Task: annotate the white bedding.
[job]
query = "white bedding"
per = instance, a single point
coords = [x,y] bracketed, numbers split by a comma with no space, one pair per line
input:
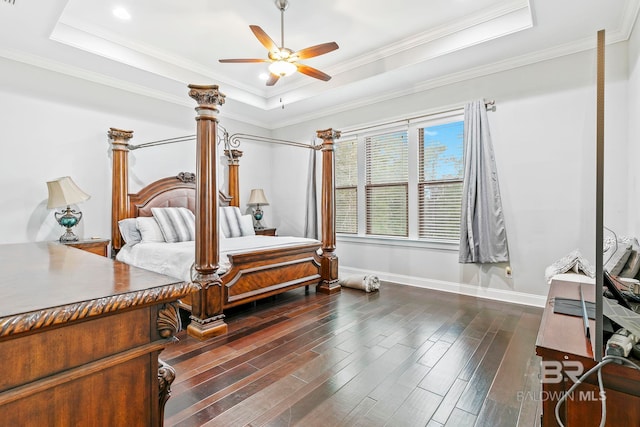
[176,259]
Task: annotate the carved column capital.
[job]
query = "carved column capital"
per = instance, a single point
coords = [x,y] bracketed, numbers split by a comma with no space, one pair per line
[233,156]
[120,138]
[208,98]
[328,135]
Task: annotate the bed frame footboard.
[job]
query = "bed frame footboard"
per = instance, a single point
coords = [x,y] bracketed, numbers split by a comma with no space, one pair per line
[260,274]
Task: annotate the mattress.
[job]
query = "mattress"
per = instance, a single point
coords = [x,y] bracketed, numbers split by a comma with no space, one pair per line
[177,259]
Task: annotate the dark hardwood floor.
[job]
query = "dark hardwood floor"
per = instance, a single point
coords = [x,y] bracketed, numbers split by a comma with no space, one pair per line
[403,356]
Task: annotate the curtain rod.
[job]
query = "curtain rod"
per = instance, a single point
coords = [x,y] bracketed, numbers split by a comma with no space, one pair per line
[489,105]
[233,141]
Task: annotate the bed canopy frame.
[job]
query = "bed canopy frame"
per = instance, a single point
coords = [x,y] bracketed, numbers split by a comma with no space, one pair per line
[253,275]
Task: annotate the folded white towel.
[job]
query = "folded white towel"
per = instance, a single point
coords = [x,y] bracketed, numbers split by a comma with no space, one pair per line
[367,283]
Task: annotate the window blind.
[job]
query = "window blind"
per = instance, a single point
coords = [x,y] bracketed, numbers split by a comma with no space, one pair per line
[441,169]
[386,185]
[346,161]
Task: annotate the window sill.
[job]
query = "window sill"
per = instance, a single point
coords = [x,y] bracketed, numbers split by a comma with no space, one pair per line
[398,242]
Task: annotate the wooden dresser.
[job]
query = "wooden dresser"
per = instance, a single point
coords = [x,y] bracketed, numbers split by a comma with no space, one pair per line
[561,343]
[80,337]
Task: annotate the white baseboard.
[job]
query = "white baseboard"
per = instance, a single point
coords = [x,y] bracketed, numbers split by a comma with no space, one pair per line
[458,288]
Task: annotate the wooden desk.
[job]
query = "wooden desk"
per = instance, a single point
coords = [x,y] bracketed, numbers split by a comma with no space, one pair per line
[561,340]
[80,337]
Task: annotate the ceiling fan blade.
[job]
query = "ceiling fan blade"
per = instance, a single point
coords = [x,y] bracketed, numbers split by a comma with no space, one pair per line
[312,72]
[226,61]
[316,50]
[264,38]
[273,79]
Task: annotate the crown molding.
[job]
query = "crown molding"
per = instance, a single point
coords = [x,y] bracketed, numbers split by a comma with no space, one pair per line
[472,73]
[500,13]
[94,40]
[613,36]
[112,46]
[481,71]
[629,18]
[91,76]
[102,79]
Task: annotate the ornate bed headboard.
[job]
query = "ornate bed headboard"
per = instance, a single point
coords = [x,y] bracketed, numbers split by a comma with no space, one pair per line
[173,191]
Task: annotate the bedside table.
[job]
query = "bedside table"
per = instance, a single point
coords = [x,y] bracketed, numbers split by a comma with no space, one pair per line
[266,232]
[95,246]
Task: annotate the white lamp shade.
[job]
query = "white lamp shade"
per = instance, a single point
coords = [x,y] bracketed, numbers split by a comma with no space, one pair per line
[64,192]
[257,197]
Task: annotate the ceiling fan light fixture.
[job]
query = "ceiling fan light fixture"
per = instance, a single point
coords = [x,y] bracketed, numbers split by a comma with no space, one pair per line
[282,68]
[283,61]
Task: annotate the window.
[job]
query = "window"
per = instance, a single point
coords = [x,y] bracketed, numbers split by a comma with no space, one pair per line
[441,169]
[403,182]
[386,188]
[346,158]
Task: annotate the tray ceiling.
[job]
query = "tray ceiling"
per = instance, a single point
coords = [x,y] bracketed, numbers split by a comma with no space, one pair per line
[386,49]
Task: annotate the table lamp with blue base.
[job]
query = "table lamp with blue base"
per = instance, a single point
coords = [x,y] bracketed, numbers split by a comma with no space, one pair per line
[257,199]
[64,192]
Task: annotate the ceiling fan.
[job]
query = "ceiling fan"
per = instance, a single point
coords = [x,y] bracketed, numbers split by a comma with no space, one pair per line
[283,61]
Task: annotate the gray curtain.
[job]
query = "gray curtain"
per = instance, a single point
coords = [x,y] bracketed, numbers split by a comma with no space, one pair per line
[311,214]
[483,237]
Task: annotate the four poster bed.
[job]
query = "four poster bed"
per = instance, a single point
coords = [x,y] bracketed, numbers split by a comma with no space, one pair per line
[249,274]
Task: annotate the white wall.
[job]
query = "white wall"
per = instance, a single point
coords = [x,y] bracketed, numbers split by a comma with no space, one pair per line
[633,143]
[55,125]
[544,139]
[544,133]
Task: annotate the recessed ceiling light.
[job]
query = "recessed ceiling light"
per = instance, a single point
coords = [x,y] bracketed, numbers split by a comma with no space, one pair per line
[121,13]
[263,76]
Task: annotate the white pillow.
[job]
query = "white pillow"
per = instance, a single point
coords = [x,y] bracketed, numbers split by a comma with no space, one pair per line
[129,231]
[177,224]
[149,229]
[230,221]
[246,226]
[222,222]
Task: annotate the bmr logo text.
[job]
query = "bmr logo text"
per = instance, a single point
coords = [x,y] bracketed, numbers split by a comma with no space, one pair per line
[553,371]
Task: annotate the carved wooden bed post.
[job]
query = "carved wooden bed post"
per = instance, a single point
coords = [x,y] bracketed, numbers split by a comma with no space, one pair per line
[120,182]
[329,260]
[233,157]
[207,319]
